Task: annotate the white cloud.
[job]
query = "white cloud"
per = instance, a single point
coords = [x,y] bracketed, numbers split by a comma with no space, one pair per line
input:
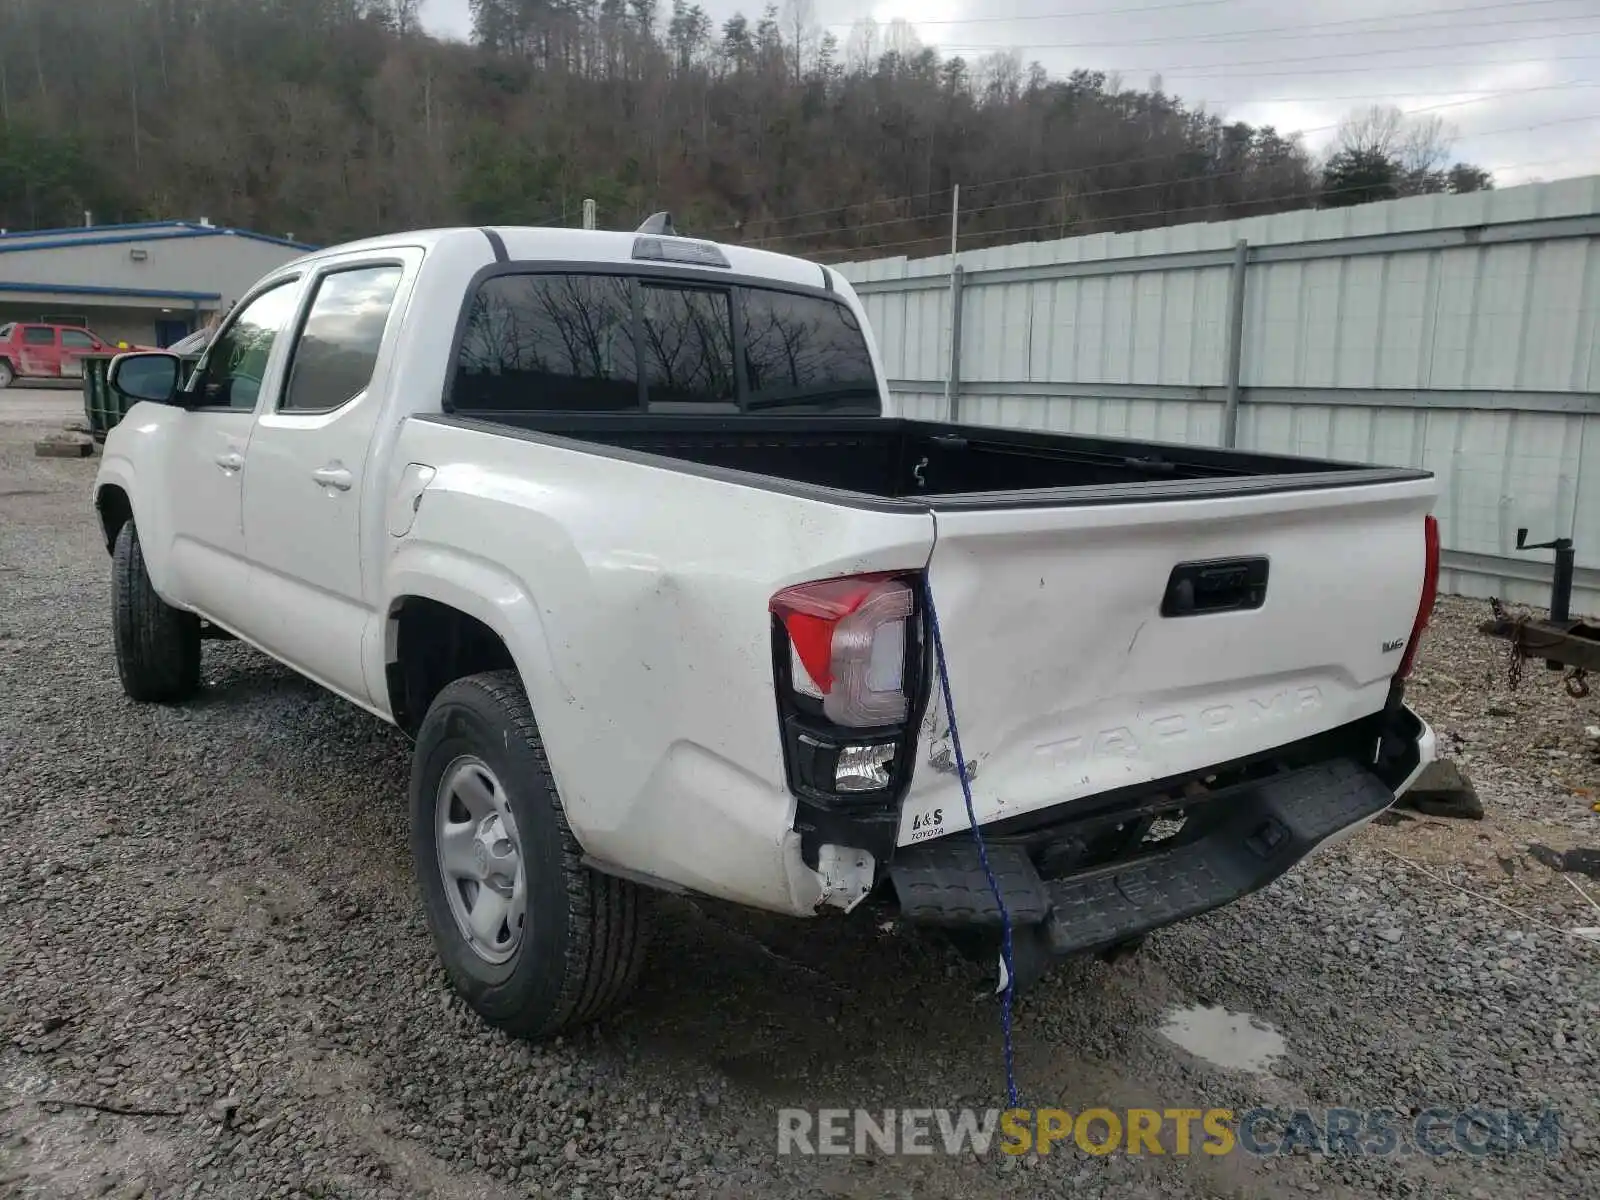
[447,18]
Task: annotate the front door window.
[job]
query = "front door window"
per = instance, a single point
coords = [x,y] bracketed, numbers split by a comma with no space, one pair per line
[231,375]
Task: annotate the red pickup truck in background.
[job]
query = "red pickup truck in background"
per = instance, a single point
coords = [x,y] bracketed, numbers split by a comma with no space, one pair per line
[34,350]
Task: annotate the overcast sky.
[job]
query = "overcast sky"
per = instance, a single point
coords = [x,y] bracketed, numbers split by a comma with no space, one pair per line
[1519,80]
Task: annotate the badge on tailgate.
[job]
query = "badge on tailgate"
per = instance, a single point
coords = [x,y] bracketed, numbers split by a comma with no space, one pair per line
[1216,585]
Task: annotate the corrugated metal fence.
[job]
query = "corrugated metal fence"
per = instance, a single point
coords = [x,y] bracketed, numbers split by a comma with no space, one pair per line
[1455,333]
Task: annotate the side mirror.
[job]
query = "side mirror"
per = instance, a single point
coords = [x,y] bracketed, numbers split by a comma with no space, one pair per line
[152,376]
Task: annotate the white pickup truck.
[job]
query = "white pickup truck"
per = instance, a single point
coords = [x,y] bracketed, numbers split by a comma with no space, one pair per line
[622,530]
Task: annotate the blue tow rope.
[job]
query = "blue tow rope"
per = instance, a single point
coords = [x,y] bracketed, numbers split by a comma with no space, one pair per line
[983,851]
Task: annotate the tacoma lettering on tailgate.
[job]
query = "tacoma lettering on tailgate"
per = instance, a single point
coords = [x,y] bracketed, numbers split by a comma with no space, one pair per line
[1121,741]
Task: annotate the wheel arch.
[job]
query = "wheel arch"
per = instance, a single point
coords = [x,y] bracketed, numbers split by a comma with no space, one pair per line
[114,507]
[445,624]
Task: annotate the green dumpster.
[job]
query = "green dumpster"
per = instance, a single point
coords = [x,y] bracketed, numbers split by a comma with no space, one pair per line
[103,407]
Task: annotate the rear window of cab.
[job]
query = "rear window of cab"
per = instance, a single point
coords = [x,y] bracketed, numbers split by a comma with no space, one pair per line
[575,343]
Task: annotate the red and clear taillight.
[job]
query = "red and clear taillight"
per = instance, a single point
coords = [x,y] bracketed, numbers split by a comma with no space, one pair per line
[1430,594]
[846,650]
[847,642]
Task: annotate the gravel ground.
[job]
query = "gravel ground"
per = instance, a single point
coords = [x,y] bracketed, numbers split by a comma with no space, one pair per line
[50,403]
[206,921]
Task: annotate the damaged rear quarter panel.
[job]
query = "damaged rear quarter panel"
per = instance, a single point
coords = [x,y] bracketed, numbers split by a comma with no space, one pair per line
[651,588]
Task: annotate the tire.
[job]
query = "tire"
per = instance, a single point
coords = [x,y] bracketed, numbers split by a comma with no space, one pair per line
[158,646]
[577,948]
[6,375]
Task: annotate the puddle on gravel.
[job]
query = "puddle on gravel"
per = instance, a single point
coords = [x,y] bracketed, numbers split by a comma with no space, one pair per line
[1234,1041]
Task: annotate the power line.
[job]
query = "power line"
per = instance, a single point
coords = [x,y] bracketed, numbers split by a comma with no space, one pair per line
[1536,125]
[1106,166]
[1290,32]
[972,212]
[1482,94]
[944,237]
[1278,59]
[1136,187]
[999,233]
[1082,12]
[1389,67]
[1182,4]
[1315,194]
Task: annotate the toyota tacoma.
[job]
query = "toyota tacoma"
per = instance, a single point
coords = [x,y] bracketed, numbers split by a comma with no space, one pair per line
[624,532]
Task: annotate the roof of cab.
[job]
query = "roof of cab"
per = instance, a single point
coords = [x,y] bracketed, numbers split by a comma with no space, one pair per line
[543,244]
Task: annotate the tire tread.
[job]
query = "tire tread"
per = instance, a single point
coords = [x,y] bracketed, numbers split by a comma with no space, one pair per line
[157,646]
[605,919]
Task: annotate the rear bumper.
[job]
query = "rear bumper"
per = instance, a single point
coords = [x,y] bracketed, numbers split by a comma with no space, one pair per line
[1423,746]
[1232,843]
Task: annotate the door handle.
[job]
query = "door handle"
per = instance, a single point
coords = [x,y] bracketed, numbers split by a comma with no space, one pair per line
[333,477]
[231,461]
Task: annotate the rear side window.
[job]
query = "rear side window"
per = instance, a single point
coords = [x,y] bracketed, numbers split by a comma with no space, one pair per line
[338,347]
[38,335]
[556,343]
[802,351]
[76,339]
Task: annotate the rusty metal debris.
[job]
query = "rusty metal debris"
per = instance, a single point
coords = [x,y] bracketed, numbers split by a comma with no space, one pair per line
[1568,644]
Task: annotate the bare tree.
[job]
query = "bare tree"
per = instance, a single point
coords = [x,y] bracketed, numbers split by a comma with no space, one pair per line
[1425,144]
[1415,144]
[1000,76]
[900,37]
[401,15]
[800,23]
[1374,130]
[1381,153]
[861,49]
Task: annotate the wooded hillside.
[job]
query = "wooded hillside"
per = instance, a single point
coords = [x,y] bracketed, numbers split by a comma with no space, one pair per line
[331,119]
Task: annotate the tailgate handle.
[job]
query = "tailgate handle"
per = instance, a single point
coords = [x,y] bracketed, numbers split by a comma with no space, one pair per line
[1216,585]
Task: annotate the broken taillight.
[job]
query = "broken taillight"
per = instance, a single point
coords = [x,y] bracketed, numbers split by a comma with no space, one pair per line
[847,640]
[846,664]
[1430,593]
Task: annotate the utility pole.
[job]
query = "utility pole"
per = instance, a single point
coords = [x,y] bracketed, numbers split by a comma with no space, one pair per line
[955,220]
[1235,390]
[588,214]
[952,380]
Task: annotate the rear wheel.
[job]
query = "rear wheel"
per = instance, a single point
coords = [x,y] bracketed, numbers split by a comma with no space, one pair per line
[533,940]
[158,646]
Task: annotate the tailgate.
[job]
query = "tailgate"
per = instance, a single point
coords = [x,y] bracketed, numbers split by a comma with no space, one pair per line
[1069,680]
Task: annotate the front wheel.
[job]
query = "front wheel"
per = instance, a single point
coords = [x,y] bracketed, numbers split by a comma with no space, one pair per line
[158,646]
[6,375]
[533,940]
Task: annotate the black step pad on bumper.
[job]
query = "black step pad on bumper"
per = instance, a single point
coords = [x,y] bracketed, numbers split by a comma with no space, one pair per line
[1252,834]
[942,883]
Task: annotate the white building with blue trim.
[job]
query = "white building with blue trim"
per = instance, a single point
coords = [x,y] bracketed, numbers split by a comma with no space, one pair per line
[145,284]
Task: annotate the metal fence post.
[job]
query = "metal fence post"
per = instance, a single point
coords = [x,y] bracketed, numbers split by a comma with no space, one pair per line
[1236,282]
[952,388]
[952,379]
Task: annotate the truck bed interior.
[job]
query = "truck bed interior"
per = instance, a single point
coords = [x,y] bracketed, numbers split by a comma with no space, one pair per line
[898,458]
